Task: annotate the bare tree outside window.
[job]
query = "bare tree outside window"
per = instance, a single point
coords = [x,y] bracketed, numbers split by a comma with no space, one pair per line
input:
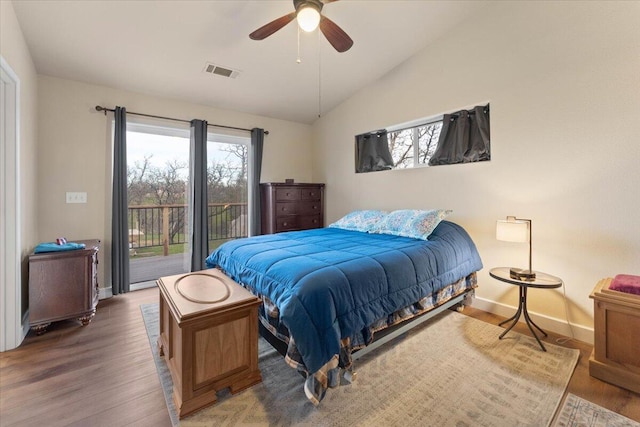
[428,141]
[137,181]
[236,161]
[157,186]
[401,148]
[414,146]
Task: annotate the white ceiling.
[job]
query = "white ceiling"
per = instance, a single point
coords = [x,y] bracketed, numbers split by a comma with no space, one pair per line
[161,47]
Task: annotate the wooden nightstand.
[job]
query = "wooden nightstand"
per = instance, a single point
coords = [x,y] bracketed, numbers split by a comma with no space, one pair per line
[63,285]
[208,337]
[616,350]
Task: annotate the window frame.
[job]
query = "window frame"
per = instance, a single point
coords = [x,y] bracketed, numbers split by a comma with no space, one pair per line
[415,142]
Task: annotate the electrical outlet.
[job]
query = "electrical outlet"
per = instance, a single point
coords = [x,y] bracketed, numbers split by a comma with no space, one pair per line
[76,197]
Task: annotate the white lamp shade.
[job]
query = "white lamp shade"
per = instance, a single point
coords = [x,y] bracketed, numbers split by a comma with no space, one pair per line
[308,18]
[512,231]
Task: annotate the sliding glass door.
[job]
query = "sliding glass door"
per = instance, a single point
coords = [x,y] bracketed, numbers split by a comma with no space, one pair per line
[158,185]
[227,188]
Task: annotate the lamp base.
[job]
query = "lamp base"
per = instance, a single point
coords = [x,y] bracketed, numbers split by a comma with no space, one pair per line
[520,274]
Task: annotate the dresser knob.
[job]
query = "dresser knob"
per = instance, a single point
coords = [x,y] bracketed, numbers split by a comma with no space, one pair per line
[284,224]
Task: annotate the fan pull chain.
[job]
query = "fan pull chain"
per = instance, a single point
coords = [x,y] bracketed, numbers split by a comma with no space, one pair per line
[319,79]
[298,60]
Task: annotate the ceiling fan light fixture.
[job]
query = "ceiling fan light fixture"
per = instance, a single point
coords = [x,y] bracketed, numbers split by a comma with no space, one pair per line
[308,17]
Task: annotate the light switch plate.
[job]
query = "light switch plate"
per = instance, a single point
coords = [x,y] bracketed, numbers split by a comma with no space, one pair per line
[76,197]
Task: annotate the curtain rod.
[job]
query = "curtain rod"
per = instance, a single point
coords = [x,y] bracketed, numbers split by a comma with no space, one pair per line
[100,108]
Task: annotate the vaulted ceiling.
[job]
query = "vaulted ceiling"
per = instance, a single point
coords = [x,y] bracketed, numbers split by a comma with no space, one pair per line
[162,47]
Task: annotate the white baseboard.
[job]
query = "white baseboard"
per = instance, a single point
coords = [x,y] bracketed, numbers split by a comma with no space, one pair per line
[559,326]
[105,293]
[25,325]
[108,293]
[142,285]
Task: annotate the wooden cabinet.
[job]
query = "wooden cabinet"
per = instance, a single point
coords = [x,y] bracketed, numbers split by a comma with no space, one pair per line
[63,285]
[616,350]
[290,207]
[208,337]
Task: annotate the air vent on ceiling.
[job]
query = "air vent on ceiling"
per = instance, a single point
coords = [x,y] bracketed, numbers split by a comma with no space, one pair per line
[220,71]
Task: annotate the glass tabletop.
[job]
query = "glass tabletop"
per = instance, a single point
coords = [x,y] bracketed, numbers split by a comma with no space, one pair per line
[542,280]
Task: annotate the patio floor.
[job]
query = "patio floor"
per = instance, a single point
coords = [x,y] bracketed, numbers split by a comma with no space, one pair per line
[143,269]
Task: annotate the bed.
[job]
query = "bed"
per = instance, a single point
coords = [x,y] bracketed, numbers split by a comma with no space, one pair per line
[327,291]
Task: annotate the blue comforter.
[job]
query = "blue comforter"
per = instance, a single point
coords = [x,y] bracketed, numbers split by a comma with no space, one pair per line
[329,282]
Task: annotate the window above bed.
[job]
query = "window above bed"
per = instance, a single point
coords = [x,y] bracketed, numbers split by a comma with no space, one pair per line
[460,137]
[412,147]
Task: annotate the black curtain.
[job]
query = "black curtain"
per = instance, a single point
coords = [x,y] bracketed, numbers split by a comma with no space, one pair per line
[119,207]
[372,152]
[464,137]
[255,157]
[198,202]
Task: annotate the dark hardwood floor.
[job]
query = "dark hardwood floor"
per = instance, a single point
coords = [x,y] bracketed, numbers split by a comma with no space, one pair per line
[104,375]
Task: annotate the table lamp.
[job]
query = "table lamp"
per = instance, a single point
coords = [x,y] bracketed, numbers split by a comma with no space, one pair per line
[516,230]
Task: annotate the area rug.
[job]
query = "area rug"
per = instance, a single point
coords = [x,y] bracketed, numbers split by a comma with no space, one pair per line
[451,371]
[577,412]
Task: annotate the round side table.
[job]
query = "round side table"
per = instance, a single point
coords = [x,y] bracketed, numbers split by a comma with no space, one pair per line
[542,281]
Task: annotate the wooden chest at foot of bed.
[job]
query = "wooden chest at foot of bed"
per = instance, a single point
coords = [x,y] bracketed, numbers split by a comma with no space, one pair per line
[616,351]
[208,337]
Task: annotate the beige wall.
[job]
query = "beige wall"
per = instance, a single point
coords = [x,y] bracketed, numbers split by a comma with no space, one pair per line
[75,153]
[14,50]
[563,79]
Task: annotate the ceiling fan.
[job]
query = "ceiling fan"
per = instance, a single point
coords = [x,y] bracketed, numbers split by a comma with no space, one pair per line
[309,16]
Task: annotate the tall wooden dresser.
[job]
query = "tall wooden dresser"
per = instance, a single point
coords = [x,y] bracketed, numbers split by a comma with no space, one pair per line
[290,207]
[63,285]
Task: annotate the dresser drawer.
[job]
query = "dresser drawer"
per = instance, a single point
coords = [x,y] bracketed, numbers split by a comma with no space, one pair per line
[307,222]
[287,208]
[287,193]
[310,193]
[309,208]
[287,223]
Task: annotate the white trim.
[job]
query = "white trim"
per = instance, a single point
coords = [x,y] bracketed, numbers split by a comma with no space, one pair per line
[416,123]
[152,127]
[559,326]
[13,330]
[104,293]
[142,285]
[164,128]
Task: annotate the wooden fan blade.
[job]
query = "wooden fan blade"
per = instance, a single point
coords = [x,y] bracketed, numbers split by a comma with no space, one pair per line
[338,38]
[273,26]
[328,1]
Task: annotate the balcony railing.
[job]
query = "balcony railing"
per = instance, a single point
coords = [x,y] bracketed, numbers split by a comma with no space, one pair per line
[164,225]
